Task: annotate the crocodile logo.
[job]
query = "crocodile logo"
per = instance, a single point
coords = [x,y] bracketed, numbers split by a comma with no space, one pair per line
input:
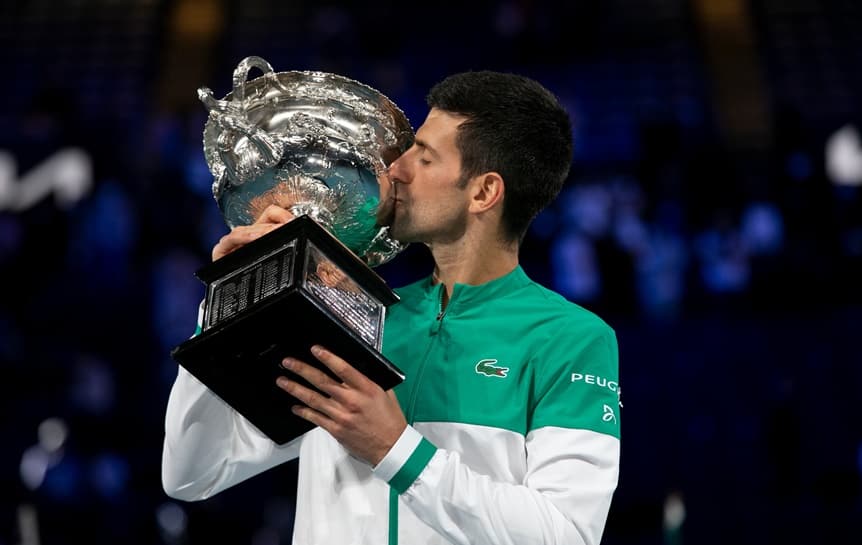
[487,368]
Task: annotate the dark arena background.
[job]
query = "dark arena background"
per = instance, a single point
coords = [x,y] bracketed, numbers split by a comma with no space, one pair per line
[713,217]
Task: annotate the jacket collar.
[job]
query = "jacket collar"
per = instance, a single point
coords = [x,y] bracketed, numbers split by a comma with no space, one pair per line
[465,296]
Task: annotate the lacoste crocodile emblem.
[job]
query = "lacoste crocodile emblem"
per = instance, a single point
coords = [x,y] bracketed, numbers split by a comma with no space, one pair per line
[487,368]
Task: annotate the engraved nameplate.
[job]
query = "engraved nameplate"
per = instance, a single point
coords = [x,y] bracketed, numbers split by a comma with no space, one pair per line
[249,285]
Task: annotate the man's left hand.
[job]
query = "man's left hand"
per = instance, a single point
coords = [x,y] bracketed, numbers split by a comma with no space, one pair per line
[366,420]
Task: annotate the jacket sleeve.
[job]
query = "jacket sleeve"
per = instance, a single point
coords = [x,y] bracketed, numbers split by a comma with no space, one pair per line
[572,468]
[208,446]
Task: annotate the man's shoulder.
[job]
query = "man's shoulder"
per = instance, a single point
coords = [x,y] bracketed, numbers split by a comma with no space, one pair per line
[558,310]
[410,296]
[412,301]
[413,288]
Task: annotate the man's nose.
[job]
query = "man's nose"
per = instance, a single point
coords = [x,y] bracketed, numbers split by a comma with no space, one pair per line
[398,171]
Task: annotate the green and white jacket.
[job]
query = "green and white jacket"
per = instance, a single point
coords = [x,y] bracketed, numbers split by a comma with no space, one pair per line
[512,398]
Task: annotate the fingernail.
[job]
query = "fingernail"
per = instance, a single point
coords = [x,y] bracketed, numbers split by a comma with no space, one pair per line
[281,381]
[317,350]
[287,363]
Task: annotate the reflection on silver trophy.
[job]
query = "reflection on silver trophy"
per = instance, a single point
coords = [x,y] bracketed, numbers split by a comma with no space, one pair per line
[317,144]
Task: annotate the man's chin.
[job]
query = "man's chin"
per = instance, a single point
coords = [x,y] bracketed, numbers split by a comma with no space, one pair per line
[401,234]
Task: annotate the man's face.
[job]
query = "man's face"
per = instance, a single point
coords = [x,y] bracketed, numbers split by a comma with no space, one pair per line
[430,198]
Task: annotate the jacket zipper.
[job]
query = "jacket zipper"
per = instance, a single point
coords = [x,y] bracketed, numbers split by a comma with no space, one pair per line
[414,394]
[441,312]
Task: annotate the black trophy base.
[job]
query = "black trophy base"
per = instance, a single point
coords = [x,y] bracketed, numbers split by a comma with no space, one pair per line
[239,359]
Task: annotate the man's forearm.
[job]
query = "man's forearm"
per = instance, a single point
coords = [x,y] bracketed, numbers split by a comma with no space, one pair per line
[564,500]
[209,446]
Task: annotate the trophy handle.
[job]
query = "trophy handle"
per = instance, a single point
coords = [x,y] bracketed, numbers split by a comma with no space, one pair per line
[240,74]
[245,150]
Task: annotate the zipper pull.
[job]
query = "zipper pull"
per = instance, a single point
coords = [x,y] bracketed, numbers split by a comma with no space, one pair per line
[438,321]
[440,310]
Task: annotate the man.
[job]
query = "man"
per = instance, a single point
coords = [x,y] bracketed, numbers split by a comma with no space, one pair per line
[506,429]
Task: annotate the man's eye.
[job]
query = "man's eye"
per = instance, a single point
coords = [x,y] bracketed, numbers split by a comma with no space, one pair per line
[424,161]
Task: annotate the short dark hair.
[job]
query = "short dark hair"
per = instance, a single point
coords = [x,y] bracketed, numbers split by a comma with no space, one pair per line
[515,127]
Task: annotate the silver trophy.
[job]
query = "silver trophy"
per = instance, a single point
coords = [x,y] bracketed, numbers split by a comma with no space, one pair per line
[319,145]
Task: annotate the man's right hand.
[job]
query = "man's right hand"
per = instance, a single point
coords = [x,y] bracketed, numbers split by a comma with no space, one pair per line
[273,217]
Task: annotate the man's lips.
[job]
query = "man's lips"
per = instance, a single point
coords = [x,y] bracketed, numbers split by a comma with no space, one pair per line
[386,212]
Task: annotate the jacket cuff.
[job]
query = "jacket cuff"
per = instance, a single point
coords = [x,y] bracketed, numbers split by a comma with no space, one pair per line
[405,460]
[200,325]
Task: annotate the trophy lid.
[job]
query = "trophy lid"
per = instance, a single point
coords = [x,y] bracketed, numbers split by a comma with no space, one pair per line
[315,143]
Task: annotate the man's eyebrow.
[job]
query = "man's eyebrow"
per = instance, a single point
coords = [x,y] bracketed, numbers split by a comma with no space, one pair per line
[423,144]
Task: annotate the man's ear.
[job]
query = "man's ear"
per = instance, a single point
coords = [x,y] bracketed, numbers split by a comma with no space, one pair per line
[486,192]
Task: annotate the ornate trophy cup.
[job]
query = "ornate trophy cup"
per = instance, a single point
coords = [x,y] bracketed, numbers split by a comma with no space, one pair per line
[317,144]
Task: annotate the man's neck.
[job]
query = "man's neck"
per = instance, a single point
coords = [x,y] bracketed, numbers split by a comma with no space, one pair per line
[472,262]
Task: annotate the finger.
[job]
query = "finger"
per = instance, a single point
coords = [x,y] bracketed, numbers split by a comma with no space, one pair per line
[343,370]
[240,236]
[275,214]
[309,397]
[315,417]
[313,375]
[226,245]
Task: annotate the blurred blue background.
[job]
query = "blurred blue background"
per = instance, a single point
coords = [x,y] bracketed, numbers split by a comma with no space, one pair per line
[713,217]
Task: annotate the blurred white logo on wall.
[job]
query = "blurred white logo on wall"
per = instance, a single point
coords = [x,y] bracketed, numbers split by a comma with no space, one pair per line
[68,174]
[844,157]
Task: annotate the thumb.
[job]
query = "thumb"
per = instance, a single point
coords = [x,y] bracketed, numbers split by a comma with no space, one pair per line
[275,214]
